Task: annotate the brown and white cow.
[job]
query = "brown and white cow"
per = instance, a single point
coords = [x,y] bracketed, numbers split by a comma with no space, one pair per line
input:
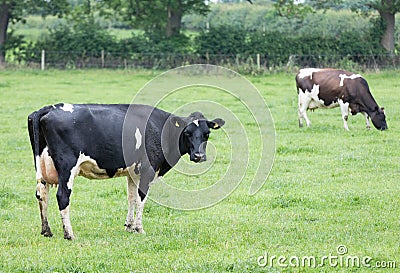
[329,88]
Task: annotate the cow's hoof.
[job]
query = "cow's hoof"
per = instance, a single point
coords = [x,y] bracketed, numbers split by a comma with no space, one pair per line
[129,228]
[140,230]
[47,233]
[68,236]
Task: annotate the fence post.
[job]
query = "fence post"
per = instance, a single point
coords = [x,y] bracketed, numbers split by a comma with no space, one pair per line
[258,61]
[102,58]
[42,63]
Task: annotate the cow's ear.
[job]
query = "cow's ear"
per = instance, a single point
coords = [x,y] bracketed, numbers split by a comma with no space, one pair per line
[216,123]
[178,122]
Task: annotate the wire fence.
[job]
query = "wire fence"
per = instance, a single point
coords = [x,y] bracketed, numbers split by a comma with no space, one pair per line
[240,62]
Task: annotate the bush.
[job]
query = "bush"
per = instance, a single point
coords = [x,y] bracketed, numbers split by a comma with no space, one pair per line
[75,43]
[222,40]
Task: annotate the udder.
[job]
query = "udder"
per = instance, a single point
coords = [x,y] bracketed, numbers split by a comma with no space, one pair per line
[49,172]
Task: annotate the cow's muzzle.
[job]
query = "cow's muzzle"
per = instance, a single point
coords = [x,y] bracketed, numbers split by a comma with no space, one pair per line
[198,157]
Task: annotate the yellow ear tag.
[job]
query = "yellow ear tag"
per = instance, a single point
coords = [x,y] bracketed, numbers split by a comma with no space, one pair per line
[216,125]
[176,124]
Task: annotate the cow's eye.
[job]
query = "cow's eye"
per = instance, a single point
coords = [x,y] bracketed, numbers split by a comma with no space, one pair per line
[188,134]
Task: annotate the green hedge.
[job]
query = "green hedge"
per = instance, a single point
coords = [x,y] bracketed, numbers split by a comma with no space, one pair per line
[85,41]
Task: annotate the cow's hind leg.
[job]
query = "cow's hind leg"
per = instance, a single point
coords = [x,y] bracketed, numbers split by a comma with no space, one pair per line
[303,103]
[42,194]
[66,180]
[133,197]
[344,109]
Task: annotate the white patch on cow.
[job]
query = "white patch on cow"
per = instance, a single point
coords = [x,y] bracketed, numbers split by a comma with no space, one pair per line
[76,169]
[314,101]
[351,77]
[307,72]
[68,234]
[138,137]
[38,168]
[88,167]
[196,121]
[67,107]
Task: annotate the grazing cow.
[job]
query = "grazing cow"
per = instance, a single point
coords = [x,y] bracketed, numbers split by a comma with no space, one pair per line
[329,88]
[105,141]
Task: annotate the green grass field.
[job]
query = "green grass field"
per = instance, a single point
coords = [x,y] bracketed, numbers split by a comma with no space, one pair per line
[327,188]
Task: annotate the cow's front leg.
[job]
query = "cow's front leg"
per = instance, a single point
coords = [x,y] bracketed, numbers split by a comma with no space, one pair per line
[132,193]
[42,194]
[367,121]
[145,179]
[139,213]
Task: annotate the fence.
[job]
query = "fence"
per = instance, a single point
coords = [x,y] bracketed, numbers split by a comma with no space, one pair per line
[240,62]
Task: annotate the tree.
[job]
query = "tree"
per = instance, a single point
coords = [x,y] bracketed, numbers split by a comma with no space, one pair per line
[12,11]
[157,16]
[387,10]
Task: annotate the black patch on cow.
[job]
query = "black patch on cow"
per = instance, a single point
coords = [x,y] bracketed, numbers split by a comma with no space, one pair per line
[142,195]
[111,172]
[136,169]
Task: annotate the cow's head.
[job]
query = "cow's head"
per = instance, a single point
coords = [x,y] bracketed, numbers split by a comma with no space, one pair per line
[379,119]
[195,133]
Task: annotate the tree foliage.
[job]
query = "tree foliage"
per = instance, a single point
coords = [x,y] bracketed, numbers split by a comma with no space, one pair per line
[387,10]
[12,11]
[158,16]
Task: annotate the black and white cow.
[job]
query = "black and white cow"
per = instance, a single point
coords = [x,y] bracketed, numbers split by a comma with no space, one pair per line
[110,140]
[329,88]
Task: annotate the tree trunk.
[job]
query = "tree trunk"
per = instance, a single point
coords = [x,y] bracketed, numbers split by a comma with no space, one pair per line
[4,20]
[387,40]
[173,22]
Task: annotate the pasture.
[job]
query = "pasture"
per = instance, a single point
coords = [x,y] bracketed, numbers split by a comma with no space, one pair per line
[327,188]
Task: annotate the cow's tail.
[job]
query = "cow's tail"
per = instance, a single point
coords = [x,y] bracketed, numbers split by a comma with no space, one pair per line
[37,141]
